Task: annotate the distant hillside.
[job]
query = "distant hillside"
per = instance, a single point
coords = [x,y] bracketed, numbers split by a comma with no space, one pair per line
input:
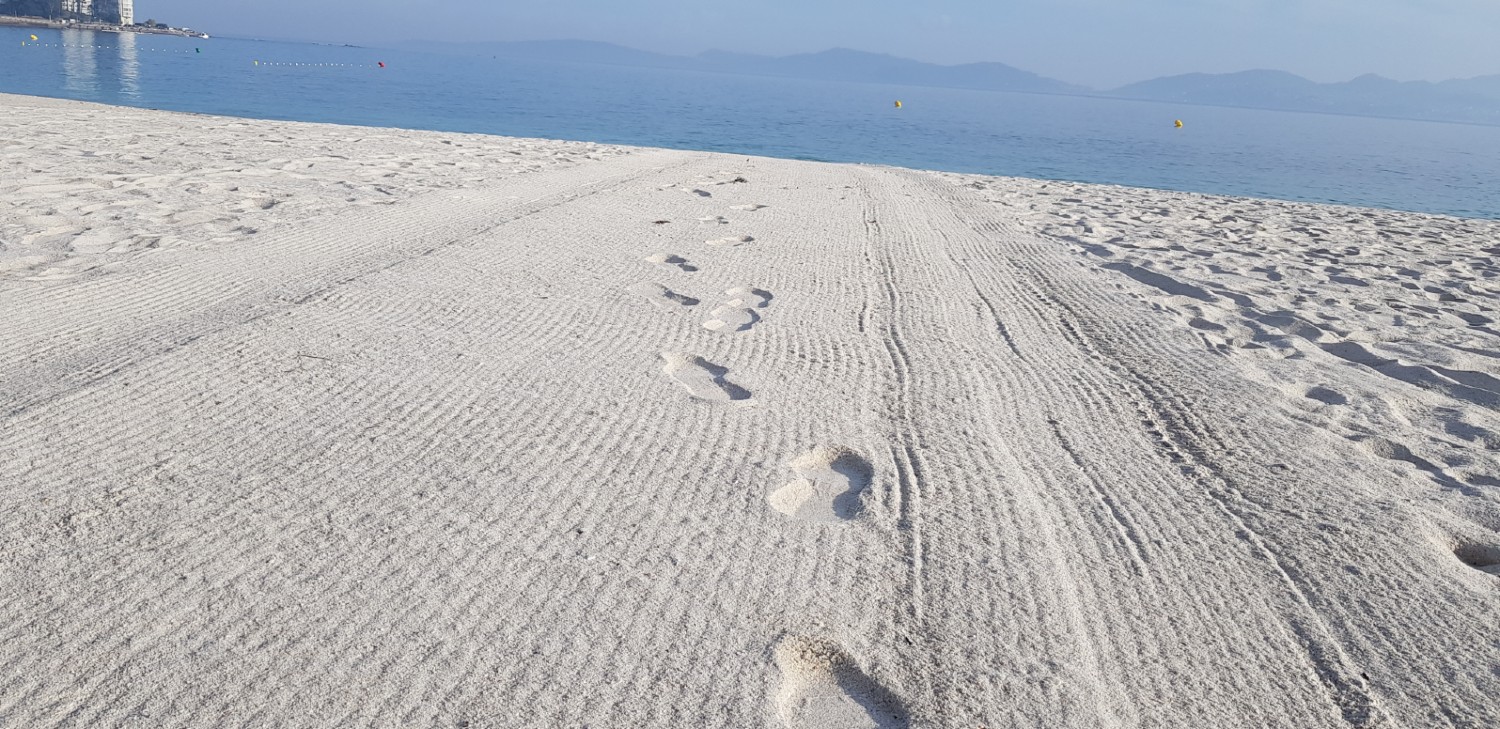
[1475,100]
[843,64]
[569,51]
[28,8]
[835,65]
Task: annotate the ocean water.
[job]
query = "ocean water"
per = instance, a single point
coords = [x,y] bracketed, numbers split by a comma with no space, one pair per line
[1405,165]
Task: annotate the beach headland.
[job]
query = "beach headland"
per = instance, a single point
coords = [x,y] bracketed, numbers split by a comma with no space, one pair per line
[16,21]
[318,425]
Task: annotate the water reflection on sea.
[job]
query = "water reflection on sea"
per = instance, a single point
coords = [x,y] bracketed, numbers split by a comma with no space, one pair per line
[80,61]
[130,66]
[95,63]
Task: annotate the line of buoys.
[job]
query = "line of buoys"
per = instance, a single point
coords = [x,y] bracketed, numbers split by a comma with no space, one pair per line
[109,48]
[285,64]
[199,51]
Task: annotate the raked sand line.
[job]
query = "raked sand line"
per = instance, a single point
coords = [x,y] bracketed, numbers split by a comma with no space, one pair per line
[112,327]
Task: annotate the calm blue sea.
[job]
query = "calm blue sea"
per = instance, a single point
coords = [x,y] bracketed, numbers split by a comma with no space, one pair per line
[1407,165]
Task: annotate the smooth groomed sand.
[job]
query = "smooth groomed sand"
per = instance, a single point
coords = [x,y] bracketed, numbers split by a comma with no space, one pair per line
[317,426]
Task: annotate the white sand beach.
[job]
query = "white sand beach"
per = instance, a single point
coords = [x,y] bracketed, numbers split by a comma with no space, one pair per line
[308,425]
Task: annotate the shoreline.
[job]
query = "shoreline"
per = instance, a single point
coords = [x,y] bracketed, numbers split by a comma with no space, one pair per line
[311,424]
[16,21]
[1165,190]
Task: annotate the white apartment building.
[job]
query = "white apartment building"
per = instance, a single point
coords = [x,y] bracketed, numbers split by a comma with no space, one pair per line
[117,11]
[84,8]
[121,12]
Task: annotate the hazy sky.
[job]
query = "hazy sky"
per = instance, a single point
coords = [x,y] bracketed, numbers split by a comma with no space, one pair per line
[1093,42]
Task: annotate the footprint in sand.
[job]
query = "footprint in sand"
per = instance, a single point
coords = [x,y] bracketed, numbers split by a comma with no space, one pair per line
[731,241]
[671,259]
[737,312]
[1325,395]
[663,297]
[700,193]
[822,688]
[1482,557]
[732,319]
[747,297]
[714,220]
[829,484]
[704,380]
[750,208]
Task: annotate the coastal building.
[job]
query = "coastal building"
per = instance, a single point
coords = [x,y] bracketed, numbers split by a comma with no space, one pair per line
[77,9]
[121,12]
[117,12]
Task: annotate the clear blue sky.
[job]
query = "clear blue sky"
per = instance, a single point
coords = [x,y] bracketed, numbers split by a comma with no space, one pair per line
[1093,42]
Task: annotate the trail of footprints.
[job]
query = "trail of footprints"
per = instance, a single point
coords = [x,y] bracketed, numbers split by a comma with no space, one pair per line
[821,687]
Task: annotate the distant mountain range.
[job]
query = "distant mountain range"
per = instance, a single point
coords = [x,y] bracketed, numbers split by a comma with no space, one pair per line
[835,65]
[1475,100]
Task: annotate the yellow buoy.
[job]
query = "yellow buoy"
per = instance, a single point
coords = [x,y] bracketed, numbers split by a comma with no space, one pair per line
[898,104]
[1179,123]
[33,37]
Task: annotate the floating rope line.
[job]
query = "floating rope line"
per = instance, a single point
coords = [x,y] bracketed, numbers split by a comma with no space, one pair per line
[379,64]
[191,51]
[199,51]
